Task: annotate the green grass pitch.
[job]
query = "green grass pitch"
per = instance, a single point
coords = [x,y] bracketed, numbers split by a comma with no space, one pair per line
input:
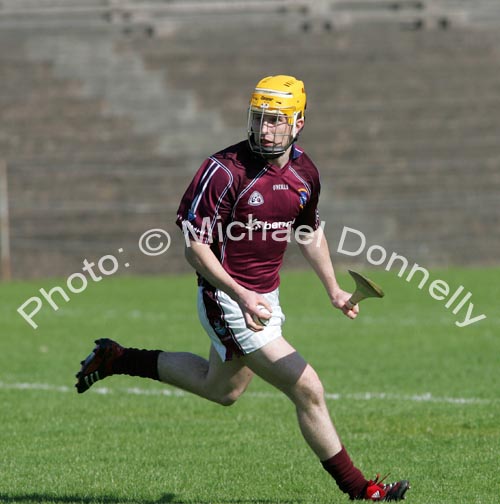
[410,392]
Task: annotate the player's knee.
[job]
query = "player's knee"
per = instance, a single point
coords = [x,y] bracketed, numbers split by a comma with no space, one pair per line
[228,398]
[309,389]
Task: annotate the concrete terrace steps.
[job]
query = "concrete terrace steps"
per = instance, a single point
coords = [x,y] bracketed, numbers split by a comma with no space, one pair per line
[435,83]
[69,211]
[356,44]
[420,175]
[372,188]
[126,150]
[404,91]
[75,185]
[447,165]
[365,44]
[74,149]
[23,85]
[48,5]
[416,83]
[128,153]
[432,224]
[410,196]
[380,157]
[135,183]
[85,129]
[47,115]
[409,139]
[101,225]
[372,119]
[391,109]
[66,108]
[437,233]
[44,92]
[22,70]
[423,58]
[119,77]
[403,125]
[375,128]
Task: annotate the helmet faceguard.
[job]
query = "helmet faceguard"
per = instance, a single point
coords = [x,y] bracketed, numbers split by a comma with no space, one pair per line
[275,106]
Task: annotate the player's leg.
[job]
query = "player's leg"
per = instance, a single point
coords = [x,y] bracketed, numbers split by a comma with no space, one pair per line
[213,379]
[282,366]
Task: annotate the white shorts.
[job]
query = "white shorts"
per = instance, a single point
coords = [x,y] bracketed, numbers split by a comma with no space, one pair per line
[223,320]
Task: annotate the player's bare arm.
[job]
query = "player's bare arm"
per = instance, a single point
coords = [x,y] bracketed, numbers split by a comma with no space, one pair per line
[317,253]
[204,261]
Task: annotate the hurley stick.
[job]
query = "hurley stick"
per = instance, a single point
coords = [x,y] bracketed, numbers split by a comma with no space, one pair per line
[365,288]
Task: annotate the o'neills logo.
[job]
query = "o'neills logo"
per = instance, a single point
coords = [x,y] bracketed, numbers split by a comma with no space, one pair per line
[280,187]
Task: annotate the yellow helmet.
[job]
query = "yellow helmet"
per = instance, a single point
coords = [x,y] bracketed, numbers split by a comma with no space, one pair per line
[280,92]
[279,96]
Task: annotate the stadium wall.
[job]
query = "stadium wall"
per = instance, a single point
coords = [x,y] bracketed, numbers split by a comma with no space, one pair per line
[102,128]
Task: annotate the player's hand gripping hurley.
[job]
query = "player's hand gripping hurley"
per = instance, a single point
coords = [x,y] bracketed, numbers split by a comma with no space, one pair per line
[365,288]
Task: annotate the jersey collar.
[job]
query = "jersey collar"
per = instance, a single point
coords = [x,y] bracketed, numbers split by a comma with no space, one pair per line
[296,152]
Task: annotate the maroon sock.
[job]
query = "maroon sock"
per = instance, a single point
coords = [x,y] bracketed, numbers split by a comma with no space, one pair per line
[348,477]
[135,362]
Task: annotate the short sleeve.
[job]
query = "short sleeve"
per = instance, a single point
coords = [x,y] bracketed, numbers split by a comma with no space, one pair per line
[207,202]
[309,215]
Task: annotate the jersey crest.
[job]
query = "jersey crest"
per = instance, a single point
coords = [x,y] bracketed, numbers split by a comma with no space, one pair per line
[256,199]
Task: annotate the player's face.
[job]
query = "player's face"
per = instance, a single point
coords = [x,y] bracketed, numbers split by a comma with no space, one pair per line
[271,130]
[272,133]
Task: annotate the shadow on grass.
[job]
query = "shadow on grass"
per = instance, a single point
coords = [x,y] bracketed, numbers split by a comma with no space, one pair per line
[35,498]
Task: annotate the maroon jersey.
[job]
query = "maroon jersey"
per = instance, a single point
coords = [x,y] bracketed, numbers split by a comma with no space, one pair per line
[248,210]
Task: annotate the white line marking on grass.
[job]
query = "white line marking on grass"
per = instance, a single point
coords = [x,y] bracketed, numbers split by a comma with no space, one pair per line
[168,392]
[34,386]
[427,397]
